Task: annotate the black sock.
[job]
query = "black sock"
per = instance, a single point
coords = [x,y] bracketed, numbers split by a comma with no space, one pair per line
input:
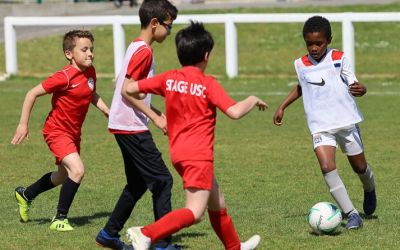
[40,186]
[67,194]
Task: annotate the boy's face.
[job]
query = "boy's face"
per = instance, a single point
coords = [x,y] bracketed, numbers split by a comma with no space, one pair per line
[317,44]
[81,56]
[163,29]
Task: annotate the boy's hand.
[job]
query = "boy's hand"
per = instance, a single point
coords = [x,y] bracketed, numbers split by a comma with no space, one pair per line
[261,105]
[161,122]
[278,117]
[357,89]
[21,133]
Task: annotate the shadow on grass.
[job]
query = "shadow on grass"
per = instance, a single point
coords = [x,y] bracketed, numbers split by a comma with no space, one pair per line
[334,234]
[180,237]
[78,221]
[369,217]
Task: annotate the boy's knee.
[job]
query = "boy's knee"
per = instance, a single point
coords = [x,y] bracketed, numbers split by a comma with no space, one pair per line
[327,167]
[360,169]
[198,218]
[168,182]
[77,175]
[198,215]
[162,186]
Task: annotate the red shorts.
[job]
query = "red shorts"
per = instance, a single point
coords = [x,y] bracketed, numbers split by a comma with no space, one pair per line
[62,145]
[196,174]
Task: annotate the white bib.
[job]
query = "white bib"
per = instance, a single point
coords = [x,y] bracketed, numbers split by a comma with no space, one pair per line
[326,98]
[122,115]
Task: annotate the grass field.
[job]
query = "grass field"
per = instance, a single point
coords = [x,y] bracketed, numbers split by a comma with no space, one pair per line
[269,175]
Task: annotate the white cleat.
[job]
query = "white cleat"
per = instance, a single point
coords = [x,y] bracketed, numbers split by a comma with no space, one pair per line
[138,239]
[251,243]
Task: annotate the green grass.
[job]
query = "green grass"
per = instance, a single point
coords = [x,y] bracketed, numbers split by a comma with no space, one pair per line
[269,175]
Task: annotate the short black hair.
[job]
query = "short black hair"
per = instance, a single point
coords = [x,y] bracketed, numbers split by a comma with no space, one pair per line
[192,43]
[159,9]
[69,42]
[317,24]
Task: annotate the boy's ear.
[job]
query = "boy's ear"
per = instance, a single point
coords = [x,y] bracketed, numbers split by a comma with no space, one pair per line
[154,22]
[206,56]
[329,40]
[68,54]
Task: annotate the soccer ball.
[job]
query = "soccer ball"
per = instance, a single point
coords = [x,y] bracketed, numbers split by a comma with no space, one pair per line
[324,218]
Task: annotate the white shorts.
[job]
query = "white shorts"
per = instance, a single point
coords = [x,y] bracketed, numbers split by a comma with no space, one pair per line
[348,138]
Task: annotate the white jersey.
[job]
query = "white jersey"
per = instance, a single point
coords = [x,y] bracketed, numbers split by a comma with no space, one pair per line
[122,114]
[327,102]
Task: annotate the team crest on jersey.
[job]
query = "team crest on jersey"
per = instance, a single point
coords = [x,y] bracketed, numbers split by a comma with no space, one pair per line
[90,83]
[317,138]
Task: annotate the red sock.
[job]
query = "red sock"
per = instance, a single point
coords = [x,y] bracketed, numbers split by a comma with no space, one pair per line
[169,224]
[224,228]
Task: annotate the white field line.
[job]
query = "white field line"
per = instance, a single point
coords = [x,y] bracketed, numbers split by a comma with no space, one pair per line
[279,93]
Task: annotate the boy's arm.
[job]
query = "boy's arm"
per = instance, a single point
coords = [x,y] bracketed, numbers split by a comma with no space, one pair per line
[243,107]
[130,91]
[355,88]
[22,130]
[156,110]
[100,104]
[292,96]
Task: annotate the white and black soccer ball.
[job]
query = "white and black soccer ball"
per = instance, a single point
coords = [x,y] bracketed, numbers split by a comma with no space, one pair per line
[324,218]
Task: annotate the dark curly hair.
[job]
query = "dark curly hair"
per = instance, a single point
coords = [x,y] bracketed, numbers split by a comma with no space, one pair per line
[317,24]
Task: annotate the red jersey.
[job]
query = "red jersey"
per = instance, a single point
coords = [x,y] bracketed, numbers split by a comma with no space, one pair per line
[72,94]
[191,98]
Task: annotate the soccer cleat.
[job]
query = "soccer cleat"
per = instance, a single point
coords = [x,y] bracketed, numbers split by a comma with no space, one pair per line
[354,221]
[23,204]
[138,239]
[60,225]
[169,247]
[369,204]
[251,243]
[103,239]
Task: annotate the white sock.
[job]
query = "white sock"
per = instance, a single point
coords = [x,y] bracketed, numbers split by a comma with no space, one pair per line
[367,179]
[339,192]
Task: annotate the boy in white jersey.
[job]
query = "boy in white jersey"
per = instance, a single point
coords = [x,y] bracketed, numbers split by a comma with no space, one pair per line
[144,166]
[328,86]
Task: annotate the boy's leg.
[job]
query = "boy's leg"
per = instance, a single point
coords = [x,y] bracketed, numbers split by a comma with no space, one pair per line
[220,220]
[196,202]
[338,191]
[122,211]
[133,191]
[147,169]
[25,196]
[326,158]
[351,144]
[40,186]
[75,169]
[364,171]
[159,181]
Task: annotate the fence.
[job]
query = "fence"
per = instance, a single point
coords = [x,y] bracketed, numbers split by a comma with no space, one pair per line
[230,21]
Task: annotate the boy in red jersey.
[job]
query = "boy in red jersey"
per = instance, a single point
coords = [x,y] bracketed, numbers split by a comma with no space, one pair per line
[143,164]
[73,89]
[329,86]
[191,99]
